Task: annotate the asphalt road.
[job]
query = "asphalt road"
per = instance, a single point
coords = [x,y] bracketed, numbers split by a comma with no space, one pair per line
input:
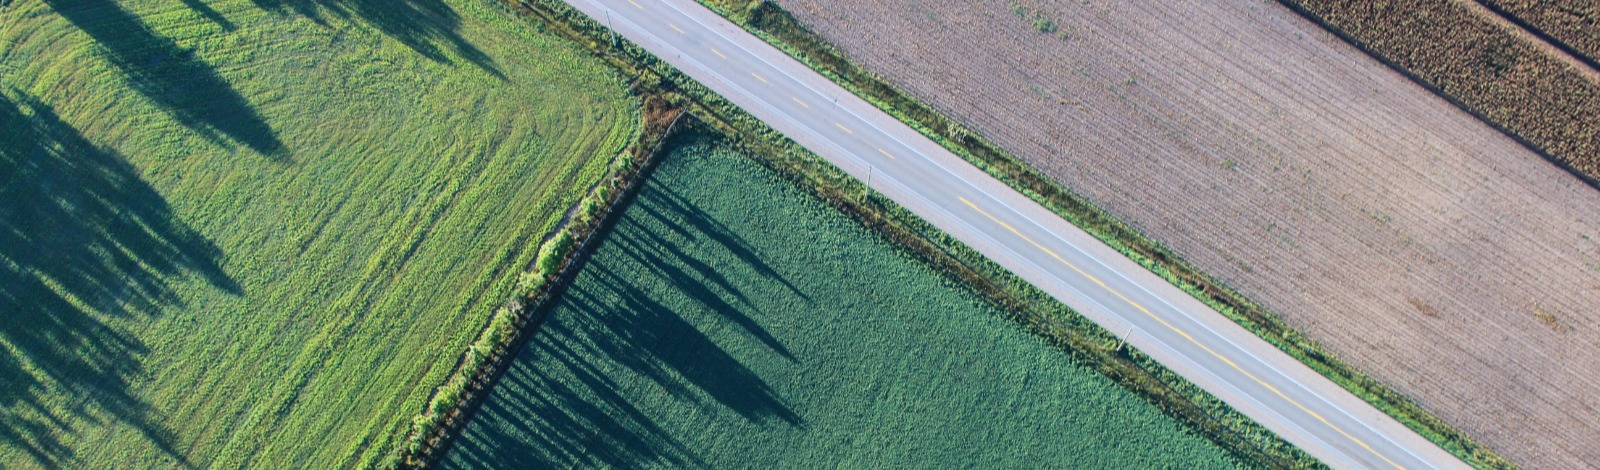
[1158,318]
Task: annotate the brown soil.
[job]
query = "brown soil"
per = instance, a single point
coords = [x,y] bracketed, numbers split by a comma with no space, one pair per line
[1487,62]
[1575,24]
[1411,239]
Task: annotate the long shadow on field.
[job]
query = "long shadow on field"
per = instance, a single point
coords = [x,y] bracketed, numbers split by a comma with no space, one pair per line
[171,76]
[629,344]
[199,6]
[425,26]
[82,239]
[660,200]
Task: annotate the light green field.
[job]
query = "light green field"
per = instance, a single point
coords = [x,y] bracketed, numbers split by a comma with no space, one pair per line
[730,320]
[259,232]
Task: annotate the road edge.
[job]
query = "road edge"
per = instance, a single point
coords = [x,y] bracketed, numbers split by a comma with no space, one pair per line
[1030,307]
[781,30]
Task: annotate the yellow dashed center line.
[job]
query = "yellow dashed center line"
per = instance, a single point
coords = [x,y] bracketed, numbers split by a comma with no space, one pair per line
[846,129]
[675,27]
[802,103]
[886,154]
[1175,329]
[636,4]
[758,77]
[718,53]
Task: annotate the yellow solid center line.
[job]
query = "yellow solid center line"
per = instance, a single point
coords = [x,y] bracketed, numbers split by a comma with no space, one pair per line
[802,103]
[758,77]
[1180,332]
[846,129]
[636,4]
[718,53]
[680,30]
[886,154]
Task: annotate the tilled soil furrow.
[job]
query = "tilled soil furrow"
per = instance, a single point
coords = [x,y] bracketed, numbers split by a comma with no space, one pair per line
[1414,241]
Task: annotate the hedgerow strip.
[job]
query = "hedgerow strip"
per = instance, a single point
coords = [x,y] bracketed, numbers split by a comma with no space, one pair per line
[450,406]
[1030,307]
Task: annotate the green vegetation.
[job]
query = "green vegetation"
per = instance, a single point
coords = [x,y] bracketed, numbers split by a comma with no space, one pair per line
[1029,306]
[264,231]
[433,428]
[766,20]
[728,320]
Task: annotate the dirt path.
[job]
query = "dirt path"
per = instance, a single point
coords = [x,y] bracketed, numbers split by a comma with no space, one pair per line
[1411,239]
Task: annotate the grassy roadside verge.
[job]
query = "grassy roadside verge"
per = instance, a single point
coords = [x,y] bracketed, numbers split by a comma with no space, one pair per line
[781,30]
[1030,307]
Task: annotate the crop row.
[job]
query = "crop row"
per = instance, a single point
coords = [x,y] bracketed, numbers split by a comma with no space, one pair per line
[1573,23]
[1484,67]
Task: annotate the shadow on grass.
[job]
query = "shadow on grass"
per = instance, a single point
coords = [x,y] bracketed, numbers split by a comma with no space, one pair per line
[199,6]
[660,201]
[572,397]
[171,76]
[82,239]
[425,26]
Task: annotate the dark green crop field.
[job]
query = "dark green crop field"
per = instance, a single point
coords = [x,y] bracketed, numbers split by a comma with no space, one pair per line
[731,320]
[260,232]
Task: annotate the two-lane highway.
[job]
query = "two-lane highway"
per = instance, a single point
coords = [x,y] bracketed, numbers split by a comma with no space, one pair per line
[1174,328]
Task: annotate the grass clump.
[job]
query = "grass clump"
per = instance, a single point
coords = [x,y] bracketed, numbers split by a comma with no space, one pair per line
[262,232]
[729,320]
[1044,25]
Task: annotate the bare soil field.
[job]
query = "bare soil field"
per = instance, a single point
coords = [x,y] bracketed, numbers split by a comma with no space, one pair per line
[1410,238]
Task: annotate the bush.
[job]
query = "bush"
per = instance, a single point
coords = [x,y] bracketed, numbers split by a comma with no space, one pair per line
[553,251]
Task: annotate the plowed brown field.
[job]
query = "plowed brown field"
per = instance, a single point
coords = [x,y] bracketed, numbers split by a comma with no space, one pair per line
[1411,239]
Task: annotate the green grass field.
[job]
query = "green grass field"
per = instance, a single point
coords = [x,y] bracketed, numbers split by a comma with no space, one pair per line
[259,232]
[731,320]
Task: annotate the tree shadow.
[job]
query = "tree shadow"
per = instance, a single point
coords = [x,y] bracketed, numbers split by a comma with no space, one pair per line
[171,76]
[199,6]
[572,396]
[82,239]
[425,26]
[564,401]
[704,224]
[700,281]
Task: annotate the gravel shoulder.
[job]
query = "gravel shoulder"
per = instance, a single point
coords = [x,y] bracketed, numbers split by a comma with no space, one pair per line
[1411,239]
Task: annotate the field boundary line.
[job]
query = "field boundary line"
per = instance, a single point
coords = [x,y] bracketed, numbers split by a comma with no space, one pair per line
[778,28]
[509,328]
